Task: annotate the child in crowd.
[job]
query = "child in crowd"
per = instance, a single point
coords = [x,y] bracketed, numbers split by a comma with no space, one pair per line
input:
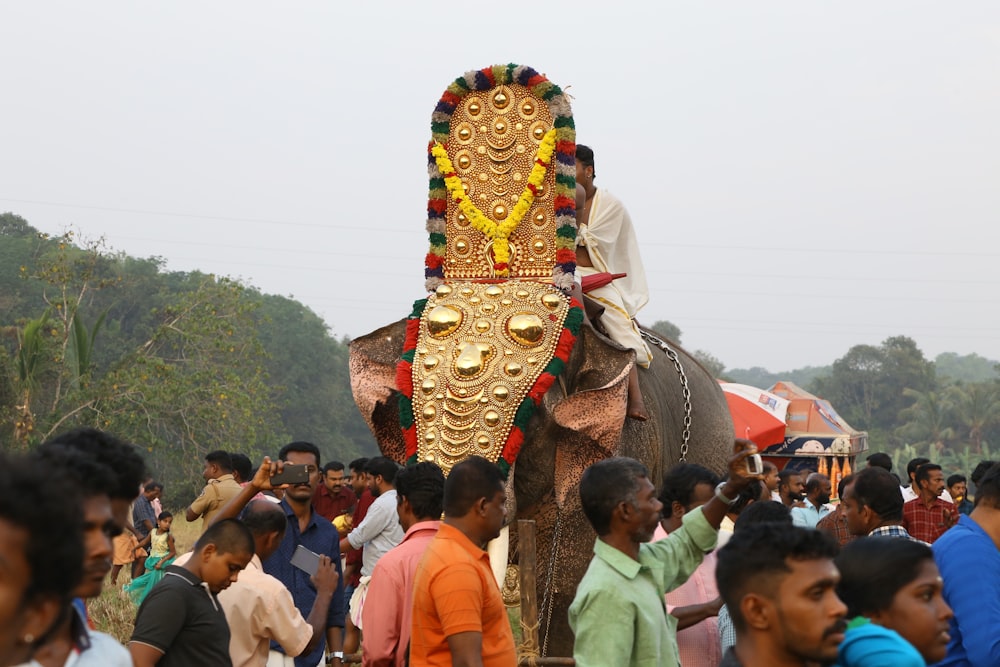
[958,487]
[161,554]
[893,588]
[181,622]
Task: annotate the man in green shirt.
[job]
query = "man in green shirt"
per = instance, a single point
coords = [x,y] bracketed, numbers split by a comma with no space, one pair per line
[618,614]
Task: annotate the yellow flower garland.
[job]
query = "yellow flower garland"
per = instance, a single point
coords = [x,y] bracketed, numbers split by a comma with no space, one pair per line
[499,233]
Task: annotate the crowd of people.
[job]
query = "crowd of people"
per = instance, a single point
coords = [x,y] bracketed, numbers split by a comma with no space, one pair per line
[891,575]
[391,561]
[265,582]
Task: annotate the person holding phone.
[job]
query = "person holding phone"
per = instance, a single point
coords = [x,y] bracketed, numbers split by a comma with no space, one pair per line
[307,528]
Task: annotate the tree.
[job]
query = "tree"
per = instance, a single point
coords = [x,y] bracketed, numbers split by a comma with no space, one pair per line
[977,409]
[866,384]
[711,363]
[667,329]
[927,419]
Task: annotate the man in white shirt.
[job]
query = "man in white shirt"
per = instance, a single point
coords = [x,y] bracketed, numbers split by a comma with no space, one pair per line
[377,533]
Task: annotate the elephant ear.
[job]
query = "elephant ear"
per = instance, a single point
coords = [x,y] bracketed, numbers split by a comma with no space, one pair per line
[591,418]
[372,362]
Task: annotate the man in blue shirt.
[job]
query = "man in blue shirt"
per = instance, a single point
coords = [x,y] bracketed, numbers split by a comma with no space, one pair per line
[305,527]
[818,490]
[969,562]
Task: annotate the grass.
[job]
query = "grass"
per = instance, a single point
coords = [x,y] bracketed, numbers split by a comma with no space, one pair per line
[113,612]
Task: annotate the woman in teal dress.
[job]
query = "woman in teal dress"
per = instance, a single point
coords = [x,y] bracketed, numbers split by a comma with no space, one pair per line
[161,554]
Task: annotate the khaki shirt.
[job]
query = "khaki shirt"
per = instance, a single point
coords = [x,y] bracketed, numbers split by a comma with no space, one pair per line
[214,496]
[259,608]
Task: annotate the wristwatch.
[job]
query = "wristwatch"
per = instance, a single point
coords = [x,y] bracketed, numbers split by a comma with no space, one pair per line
[339,655]
[721,496]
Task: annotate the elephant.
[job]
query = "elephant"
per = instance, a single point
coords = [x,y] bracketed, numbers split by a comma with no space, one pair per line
[580,420]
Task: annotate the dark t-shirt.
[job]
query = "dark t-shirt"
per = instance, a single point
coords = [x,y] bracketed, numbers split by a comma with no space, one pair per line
[182,618]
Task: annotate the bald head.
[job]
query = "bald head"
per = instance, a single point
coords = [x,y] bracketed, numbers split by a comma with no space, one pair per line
[267,524]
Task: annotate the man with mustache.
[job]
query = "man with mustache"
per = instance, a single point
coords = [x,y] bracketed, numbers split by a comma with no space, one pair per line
[790,488]
[818,490]
[307,528]
[617,615]
[779,585]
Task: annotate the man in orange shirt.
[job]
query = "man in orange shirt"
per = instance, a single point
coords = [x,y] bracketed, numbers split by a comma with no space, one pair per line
[458,613]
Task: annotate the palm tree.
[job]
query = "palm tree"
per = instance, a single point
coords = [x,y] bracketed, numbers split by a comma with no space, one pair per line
[977,407]
[928,418]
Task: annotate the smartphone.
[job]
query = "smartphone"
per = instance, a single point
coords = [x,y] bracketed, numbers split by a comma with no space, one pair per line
[755,466]
[306,560]
[292,474]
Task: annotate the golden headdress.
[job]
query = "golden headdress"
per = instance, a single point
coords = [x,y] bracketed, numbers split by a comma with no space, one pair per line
[486,345]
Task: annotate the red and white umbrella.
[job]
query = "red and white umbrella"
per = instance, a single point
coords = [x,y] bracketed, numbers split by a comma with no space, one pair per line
[758,415]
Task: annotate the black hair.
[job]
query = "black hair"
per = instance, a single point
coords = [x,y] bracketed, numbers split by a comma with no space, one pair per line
[785,475]
[220,458]
[332,465]
[122,458]
[230,536]
[956,479]
[912,466]
[767,511]
[980,471]
[150,486]
[423,486]
[383,467]
[750,494]
[924,472]
[842,484]
[605,485]
[358,465]
[877,489]
[242,466]
[880,460]
[680,481]
[301,447]
[756,556]
[92,477]
[815,481]
[585,155]
[988,488]
[164,515]
[45,504]
[262,517]
[768,467]
[469,481]
[872,571]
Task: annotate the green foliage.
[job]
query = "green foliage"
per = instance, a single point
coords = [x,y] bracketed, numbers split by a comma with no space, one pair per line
[966,368]
[763,378]
[711,363]
[178,362]
[866,385]
[668,329]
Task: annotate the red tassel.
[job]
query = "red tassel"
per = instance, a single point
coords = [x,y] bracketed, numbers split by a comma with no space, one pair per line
[433,261]
[404,378]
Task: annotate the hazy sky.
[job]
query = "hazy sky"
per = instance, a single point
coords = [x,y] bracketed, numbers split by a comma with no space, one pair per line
[803,176]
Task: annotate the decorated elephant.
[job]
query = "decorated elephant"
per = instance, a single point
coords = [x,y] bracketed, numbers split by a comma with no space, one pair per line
[581,420]
[499,360]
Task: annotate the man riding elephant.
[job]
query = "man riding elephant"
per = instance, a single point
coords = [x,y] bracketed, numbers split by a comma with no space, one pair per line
[497,361]
[606,243]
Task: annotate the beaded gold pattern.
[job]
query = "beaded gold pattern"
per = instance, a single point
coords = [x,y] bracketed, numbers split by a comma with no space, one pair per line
[481,349]
[494,138]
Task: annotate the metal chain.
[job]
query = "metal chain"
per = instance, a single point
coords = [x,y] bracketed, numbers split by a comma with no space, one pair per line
[685,389]
[547,602]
